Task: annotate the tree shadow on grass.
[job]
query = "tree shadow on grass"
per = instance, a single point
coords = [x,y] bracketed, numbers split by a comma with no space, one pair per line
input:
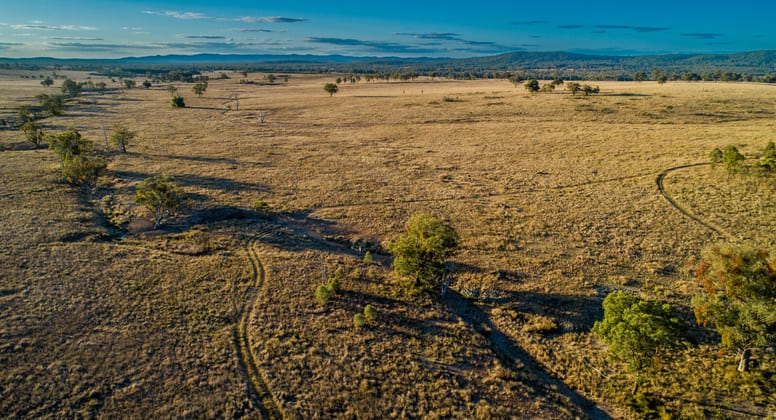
[510,352]
[199,181]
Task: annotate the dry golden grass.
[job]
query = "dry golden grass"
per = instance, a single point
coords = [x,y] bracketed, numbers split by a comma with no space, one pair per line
[554,197]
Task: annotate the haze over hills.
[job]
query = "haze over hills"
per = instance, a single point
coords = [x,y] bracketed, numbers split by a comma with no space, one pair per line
[605,66]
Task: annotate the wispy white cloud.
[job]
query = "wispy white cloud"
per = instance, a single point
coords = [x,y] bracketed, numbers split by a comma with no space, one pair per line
[177,15]
[269,19]
[39,27]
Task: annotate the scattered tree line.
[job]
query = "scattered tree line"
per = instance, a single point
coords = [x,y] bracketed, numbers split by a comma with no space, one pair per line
[735,162]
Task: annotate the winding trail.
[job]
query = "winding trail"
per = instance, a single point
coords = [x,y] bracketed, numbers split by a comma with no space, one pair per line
[261,397]
[661,187]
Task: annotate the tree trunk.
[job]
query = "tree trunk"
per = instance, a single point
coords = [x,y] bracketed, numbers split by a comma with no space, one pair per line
[743,364]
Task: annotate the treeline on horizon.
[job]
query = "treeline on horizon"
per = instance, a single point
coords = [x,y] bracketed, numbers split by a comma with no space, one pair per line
[743,67]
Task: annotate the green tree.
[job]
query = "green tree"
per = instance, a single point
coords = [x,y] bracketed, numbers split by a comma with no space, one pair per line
[129,83]
[271,78]
[573,87]
[53,104]
[589,90]
[47,82]
[71,88]
[199,88]
[161,196]
[24,115]
[769,157]
[331,88]
[716,157]
[101,87]
[146,84]
[639,76]
[84,170]
[121,137]
[33,133]
[636,330]
[733,159]
[548,87]
[420,255]
[738,297]
[177,102]
[69,144]
[532,85]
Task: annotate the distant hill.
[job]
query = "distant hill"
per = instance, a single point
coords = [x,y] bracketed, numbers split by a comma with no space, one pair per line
[539,63]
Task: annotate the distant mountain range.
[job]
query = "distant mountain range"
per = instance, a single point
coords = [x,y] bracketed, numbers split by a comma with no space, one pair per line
[604,66]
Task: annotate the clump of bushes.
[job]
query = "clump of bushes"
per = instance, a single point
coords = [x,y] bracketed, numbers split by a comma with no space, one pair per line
[368,317]
[80,165]
[733,160]
[324,292]
[261,207]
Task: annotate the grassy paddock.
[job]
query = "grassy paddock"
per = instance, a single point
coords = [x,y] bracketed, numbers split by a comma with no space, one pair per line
[554,197]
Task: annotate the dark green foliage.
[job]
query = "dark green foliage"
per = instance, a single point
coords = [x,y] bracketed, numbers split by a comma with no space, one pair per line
[33,133]
[738,296]
[161,196]
[323,294]
[331,88]
[261,207]
[80,166]
[769,157]
[368,259]
[71,88]
[121,137]
[47,82]
[334,282]
[733,159]
[129,83]
[359,321]
[573,87]
[24,115]
[69,144]
[199,88]
[177,102]
[83,170]
[637,330]
[589,90]
[532,85]
[370,314]
[146,84]
[52,104]
[639,76]
[548,87]
[420,255]
[716,157]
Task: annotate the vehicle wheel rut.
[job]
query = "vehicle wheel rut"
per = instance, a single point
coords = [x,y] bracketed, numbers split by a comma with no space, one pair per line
[661,187]
[261,397]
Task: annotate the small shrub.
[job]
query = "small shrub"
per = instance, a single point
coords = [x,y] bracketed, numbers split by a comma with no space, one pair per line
[261,207]
[33,133]
[733,159]
[358,320]
[452,99]
[368,259]
[334,282]
[121,137]
[716,157]
[177,102]
[83,170]
[322,294]
[161,196]
[370,314]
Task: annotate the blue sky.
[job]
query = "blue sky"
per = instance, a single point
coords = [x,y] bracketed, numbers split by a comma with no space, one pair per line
[95,29]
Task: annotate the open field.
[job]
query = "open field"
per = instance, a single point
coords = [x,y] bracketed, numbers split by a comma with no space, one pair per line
[557,199]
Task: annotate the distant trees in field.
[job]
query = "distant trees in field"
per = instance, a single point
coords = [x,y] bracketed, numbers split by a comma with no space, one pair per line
[735,162]
[532,85]
[200,88]
[129,83]
[33,133]
[71,88]
[47,82]
[331,88]
[146,84]
[176,101]
[52,104]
